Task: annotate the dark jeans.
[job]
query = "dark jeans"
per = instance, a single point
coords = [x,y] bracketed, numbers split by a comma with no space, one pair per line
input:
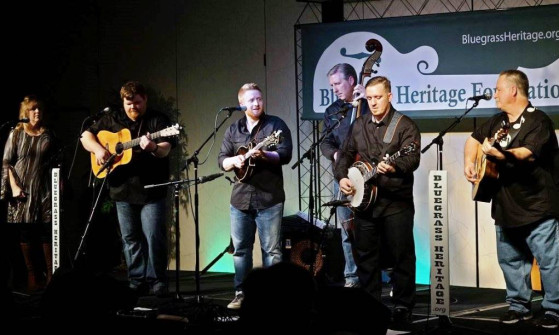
[144,237]
[394,232]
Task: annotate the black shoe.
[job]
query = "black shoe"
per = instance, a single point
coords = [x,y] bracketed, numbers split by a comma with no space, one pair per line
[161,290]
[513,316]
[401,315]
[140,290]
[550,320]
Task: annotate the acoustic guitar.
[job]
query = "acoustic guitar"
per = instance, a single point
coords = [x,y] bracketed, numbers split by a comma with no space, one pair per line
[361,175]
[247,151]
[486,170]
[120,146]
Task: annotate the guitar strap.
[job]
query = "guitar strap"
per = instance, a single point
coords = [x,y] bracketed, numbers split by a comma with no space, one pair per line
[396,117]
[253,138]
[515,128]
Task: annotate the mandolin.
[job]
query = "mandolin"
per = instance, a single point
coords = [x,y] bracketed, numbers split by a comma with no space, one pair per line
[247,151]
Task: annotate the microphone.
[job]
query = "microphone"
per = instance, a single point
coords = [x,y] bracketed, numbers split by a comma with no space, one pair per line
[13,123]
[211,177]
[486,96]
[344,109]
[336,203]
[107,164]
[99,115]
[234,109]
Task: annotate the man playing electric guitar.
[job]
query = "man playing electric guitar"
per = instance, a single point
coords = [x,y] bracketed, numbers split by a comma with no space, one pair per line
[141,212]
[389,221]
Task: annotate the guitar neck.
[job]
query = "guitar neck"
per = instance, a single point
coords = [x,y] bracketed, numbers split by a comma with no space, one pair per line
[135,142]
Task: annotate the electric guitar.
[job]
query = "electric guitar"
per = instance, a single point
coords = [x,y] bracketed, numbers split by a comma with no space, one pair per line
[120,146]
[486,170]
[247,151]
[361,173]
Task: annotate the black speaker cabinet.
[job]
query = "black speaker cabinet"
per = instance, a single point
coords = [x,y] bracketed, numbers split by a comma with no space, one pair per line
[317,250]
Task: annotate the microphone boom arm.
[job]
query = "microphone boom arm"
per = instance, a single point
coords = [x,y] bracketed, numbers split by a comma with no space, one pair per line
[439,138]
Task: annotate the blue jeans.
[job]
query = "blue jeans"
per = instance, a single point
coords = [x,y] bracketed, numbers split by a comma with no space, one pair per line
[343,214]
[243,228]
[144,237]
[515,247]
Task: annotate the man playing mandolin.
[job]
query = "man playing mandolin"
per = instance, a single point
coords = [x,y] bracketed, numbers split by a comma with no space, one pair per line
[525,203]
[389,221]
[258,196]
[141,212]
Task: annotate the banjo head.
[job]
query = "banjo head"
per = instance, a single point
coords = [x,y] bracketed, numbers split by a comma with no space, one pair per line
[356,177]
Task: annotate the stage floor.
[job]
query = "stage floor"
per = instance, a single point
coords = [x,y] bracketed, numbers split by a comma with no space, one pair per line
[73,297]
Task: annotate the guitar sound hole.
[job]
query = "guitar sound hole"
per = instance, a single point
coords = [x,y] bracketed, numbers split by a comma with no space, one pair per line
[119,148]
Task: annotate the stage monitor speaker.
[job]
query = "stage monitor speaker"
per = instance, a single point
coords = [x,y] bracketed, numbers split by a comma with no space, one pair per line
[301,245]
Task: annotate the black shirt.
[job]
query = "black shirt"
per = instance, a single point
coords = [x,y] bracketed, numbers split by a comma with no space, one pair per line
[527,191]
[365,140]
[264,188]
[340,125]
[126,182]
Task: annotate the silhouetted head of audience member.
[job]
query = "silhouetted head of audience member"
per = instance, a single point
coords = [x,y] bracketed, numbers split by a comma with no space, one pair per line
[350,311]
[279,299]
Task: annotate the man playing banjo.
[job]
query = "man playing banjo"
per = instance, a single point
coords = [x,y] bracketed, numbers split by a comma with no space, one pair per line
[389,221]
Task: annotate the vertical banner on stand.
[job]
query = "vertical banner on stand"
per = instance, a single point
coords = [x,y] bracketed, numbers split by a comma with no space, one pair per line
[440,276]
[55,218]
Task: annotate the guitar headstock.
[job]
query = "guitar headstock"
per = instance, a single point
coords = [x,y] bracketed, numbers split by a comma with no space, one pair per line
[171,131]
[502,133]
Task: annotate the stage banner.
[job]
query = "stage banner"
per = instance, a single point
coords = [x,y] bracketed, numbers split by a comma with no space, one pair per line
[55,194]
[436,62]
[440,266]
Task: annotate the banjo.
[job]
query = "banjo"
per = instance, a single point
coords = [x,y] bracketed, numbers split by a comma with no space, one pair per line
[361,175]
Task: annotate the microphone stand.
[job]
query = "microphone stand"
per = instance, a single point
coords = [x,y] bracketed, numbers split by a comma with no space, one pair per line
[443,319]
[194,160]
[83,240]
[176,196]
[11,123]
[311,156]
[439,139]
[320,246]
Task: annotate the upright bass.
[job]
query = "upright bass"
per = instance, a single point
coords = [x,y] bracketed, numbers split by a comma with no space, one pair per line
[375,47]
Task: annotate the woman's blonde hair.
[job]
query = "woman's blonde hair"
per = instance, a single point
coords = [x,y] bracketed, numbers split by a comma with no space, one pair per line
[29,102]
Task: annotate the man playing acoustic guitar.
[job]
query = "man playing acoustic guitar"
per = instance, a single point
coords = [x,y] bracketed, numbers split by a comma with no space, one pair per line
[141,212]
[257,199]
[525,205]
[388,221]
